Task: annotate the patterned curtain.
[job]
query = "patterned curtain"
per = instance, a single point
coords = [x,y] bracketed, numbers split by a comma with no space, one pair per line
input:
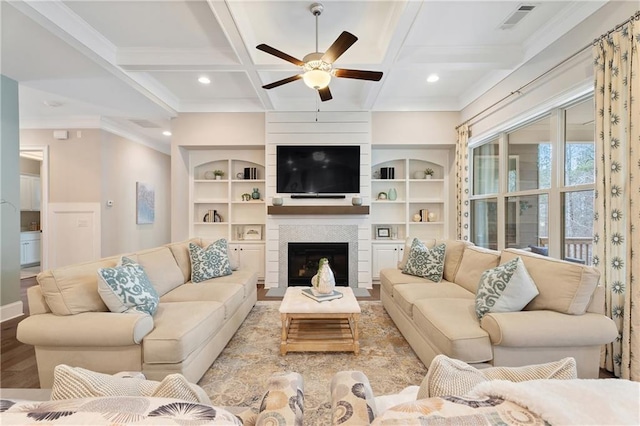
[462,183]
[617,216]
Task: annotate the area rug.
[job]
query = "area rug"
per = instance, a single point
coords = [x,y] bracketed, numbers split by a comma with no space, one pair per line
[238,376]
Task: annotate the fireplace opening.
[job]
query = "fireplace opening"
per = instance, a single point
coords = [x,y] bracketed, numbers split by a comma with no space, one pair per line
[303,261]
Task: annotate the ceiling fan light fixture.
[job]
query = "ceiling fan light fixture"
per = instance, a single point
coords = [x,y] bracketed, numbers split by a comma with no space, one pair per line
[317,79]
[204,80]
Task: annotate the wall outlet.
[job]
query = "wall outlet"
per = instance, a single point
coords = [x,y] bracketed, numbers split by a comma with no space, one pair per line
[109,203]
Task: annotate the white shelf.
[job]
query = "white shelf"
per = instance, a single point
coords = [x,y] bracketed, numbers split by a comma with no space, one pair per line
[426,223]
[211,223]
[210,201]
[211,180]
[426,201]
[247,202]
[247,180]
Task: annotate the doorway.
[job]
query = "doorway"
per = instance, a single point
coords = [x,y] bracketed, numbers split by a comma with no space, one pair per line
[34,195]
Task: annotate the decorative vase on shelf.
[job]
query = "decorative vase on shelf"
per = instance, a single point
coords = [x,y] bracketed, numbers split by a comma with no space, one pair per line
[277,201]
[255,194]
[392,195]
[323,282]
[431,217]
[356,201]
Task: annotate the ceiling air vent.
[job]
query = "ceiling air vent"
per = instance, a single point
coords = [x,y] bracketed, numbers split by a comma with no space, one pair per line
[146,124]
[517,16]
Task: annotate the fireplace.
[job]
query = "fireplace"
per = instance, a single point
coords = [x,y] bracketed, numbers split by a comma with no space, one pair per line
[303,261]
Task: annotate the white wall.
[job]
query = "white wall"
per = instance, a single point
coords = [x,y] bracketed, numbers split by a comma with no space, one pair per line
[568,80]
[93,166]
[123,164]
[10,304]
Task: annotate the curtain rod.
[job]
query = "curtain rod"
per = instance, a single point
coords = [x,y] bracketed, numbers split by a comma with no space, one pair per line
[518,90]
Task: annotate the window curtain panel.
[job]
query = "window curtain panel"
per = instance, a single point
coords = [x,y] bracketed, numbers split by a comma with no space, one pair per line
[462,183]
[617,216]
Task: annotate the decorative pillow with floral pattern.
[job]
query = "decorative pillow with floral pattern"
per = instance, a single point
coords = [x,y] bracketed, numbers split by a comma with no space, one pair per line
[209,263]
[126,288]
[425,262]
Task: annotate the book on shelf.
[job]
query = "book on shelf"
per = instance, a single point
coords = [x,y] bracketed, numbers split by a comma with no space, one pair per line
[322,297]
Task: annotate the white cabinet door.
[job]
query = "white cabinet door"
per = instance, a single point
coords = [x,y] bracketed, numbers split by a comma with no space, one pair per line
[385,256]
[30,245]
[30,192]
[25,192]
[249,257]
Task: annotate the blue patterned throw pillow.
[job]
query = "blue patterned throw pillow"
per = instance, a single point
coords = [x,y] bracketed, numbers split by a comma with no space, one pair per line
[209,263]
[505,288]
[126,288]
[424,262]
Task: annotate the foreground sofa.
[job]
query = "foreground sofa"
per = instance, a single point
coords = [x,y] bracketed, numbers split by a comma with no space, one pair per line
[83,397]
[566,318]
[541,394]
[70,324]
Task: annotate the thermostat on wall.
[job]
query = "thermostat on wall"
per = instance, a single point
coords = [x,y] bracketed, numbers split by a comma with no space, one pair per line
[61,134]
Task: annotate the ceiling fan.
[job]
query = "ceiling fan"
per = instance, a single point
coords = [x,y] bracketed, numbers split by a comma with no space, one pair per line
[317,67]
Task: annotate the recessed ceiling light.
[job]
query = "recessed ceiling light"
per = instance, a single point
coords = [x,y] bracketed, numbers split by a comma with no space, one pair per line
[166,133]
[433,78]
[204,80]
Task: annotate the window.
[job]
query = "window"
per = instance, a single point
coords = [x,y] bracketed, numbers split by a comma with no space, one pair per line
[540,195]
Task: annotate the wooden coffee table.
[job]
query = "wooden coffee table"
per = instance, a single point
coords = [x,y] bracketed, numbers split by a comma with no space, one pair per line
[310,326]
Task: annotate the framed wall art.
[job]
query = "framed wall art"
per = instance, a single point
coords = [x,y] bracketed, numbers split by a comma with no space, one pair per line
[145,203]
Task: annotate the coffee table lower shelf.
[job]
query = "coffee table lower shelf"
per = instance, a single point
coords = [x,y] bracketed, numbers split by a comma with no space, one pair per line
[319,333]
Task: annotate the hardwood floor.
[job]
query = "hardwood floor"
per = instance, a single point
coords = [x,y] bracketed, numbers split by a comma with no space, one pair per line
[18,361]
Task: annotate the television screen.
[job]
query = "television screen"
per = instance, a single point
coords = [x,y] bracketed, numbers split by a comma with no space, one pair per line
[318,169]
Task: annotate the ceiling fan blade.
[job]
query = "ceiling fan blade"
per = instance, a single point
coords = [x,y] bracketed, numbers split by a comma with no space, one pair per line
[283,81]
[325,94]
[342,43]
[275,52]
[358,74]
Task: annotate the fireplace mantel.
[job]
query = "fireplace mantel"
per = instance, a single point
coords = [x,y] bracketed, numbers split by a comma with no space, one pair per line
[317,210]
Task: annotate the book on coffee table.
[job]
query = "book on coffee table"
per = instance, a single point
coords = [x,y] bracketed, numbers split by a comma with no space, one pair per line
[322,297]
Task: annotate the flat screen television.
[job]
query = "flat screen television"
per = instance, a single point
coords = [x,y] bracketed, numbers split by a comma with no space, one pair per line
[309,169]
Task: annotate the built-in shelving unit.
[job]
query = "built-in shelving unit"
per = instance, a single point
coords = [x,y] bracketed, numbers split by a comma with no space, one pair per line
[394,202]
[226,207]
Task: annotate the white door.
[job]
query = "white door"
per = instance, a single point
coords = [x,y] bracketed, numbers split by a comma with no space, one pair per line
[74,233]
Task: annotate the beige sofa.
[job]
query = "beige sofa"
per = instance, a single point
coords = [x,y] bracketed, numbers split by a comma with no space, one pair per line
[70,324]
[565,320]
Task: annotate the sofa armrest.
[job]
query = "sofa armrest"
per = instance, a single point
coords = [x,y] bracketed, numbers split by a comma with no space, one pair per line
[85,329]
[548,328]
[352,401]
[283,402]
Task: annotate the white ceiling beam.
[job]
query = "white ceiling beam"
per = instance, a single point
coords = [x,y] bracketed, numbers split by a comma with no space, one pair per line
[403,27]
[228,25]
[64,23]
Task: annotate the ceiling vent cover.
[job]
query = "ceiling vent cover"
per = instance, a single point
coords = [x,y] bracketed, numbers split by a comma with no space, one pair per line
[146,124]
[517,16]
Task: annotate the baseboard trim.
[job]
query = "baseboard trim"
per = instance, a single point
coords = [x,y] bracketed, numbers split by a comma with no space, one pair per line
[10,311]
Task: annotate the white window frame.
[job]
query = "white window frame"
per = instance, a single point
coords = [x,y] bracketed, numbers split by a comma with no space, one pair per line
[557,188]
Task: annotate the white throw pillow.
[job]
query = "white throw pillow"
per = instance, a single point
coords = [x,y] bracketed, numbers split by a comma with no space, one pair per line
[424,262]
[126,288]
[209,263]
[505,288]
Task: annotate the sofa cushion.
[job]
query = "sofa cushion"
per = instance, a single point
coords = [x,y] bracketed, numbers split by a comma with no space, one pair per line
[453,328]
[73,289]
[180,329]
[406,294]
[75,382]
[210,262]
[407,248]
[247,279]
[161,268]
[180,253]
[505,288]
[564,286]
[230,295]
[126,288]
[475,260]
[447,376]
[424,262]
[452,257]
[390,277]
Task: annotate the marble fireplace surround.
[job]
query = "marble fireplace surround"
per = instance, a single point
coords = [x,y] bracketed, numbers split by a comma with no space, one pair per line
[317,234]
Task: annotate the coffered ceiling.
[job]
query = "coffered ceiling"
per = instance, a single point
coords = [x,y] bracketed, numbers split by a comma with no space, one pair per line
[130,66]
